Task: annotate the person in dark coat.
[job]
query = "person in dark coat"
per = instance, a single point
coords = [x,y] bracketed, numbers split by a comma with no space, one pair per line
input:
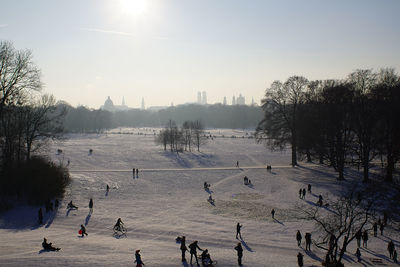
[138,259]
[309,188]
[183,247]
[137,173]
[206,258]
[133,173]
[381,227]
[358,254]
[395,256]
[71,206]
[298,238]
[300,259]
[375,227]
[193,251]
[83,229]
[40,216]
[390,248]
[273,213]
[300,193]
[358,238]
[239,250]
[107,188]
[385,218]
[308,241]
[238,226]
[304,193]
[365,239]
[91,205]
[48,246]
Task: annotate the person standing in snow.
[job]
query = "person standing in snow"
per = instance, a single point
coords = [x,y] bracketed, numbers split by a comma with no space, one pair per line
[238,226]
[365,239]
[138,259]
[133,173]
[239,250]
[183,248]
[375,226]
[137,173]
[308,241]
[91,205]
[381,227]
[395,256]
[390,248]
[40,216]
[358,237]
[237,164]
[309,188]
[300,259]
[193,251]
[304,193]
[83,230]
[273,213]
[300,193]
[298,238]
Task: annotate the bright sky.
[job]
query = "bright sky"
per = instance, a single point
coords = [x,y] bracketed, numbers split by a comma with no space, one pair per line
[167,50]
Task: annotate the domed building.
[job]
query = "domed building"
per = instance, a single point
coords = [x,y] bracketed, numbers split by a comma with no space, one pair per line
[109,105]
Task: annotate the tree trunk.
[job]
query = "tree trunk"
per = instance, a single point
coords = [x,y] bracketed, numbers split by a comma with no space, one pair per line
[389,168]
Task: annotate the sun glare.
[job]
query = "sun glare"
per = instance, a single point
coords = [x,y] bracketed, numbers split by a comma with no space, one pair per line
[133,7]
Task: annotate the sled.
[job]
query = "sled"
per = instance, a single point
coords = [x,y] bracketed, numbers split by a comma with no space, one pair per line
[205,264]
[80,232]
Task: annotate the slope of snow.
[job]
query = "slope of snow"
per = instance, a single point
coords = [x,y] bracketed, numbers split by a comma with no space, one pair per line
[168,200]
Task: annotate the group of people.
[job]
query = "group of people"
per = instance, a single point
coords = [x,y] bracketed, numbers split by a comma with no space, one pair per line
[49,208]
[246,181]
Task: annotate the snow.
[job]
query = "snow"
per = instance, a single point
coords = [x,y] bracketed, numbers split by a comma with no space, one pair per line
[168,200]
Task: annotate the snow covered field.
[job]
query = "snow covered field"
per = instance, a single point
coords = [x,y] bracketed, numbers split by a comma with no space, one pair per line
[168,200]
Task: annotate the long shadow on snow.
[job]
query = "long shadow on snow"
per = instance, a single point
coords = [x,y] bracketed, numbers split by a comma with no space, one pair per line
[312,255]
[88,218]
[323,207]
[246,246]
[185,161]
[24,218]
[275,220]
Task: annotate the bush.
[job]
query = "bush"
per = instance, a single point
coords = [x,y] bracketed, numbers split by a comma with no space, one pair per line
[36,181]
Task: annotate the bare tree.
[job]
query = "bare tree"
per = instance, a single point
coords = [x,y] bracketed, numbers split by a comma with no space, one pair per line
[198,133]
[338,222]
[281,104]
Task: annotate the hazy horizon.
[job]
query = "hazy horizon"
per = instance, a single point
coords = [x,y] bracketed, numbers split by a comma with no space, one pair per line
[167,51]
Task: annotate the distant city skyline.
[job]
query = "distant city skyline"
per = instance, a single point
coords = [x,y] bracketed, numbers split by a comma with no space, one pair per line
[166,51]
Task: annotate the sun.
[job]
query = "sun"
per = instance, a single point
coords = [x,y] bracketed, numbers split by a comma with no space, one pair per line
[133,8]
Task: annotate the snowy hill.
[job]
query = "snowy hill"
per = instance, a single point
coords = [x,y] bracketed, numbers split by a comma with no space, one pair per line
[167,200]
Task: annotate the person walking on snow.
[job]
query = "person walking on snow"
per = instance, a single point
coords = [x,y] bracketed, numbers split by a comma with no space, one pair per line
[238,226]
[138,259]
[237,164]
[365,239]
[298,238]
[308,241]
[183,248]
[300,259]
[375,226]
[83,231]
[381,227]
[304,193]
[358,237]
[193,251]
[273,213]
[91,205]
[390,248]
[239,250]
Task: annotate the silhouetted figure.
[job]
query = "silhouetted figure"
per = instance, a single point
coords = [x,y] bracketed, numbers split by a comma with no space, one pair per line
[273,213]
[304,193]
[385,218]
[90,151]
[238,227]
[381,228]
[375,227]
[210,199]
[83,231]
[300,193]
[298,238]
[308,241]
[300,259]
[107,188]
[193,251]
[237,164]
[183,247]
[309,188]
[133,173]
[206,258]
[40,216]
[48,246]
[358,238]
[91,205]
[239,250]
[137,173]
[119,225]
[365,239]
[358,254]
[320,200]
[246,180]
[269,168]
[138,259]
[395,256]
[71,206]
[390,248]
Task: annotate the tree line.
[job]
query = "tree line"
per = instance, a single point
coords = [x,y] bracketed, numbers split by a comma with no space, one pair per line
[190,134]
[28,120]
[348,122]
[82,119]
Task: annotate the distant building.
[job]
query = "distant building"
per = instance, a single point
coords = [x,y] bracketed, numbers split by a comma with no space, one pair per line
[204,98]
[240,100]
[199,98]
[109,105]
[224,100]
[233,100]
[142,107]
[252,101]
